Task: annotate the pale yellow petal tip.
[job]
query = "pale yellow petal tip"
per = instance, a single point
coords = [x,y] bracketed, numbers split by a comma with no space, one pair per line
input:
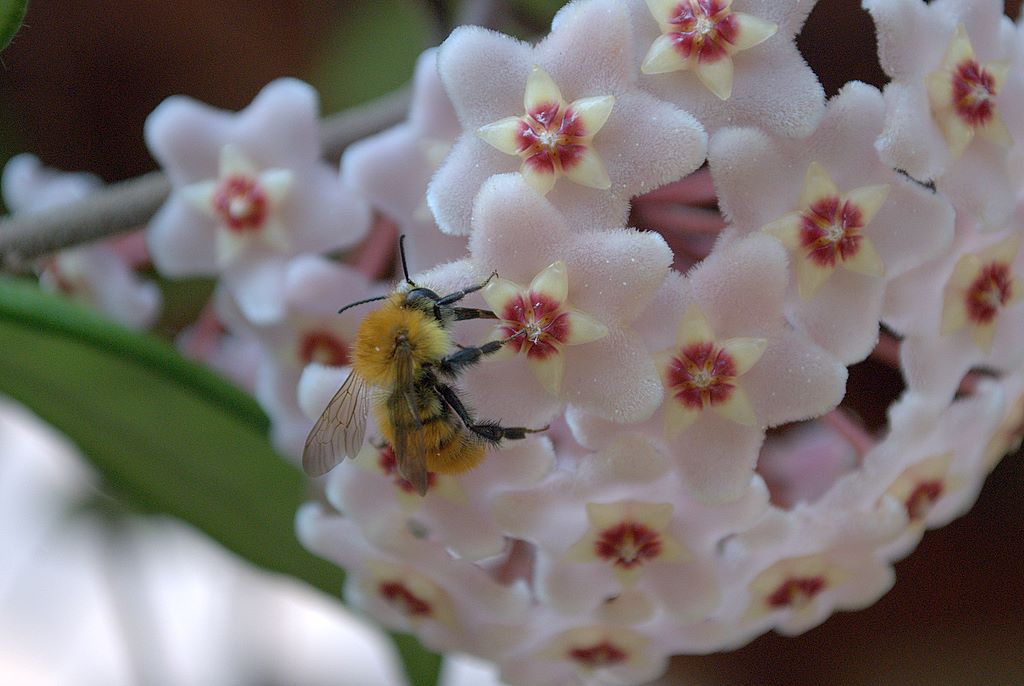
[810,277]
[737,408]
[502,135]
[983,335]
[499,292]
[866,261]
[752,31]
[588,170]
[199,196]
[277,183]
[584,329]
[540,89]
[549,371]
[663,58]
[593,112]
[552,282]
[716,76]
[234,161]
[678,418]
[694,328]
[786,230]
[818,185]
[540,181]
[745,352]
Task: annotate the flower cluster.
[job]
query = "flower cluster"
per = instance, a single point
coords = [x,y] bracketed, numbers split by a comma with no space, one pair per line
[703,477]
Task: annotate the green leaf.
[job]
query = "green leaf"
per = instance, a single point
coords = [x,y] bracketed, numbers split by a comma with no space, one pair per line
[168,435]
[12,13]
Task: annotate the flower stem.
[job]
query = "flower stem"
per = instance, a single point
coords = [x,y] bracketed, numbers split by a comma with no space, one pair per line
[376,255]
[854,434]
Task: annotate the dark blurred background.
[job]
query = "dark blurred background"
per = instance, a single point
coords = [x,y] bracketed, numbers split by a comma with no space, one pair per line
[79,80]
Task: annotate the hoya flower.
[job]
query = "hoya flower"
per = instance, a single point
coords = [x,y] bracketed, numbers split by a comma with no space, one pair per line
[850,223]
[457,511]
[1009,434]
[392,169]
[731,367]
[415,584]
[249,192]
[567,114]
[951,97]
[602,653]
[932,462]
[652,549]
[309,331]
[729,62]
[97,274]
[960,310]
[569,298]
[236,355]
[796,567]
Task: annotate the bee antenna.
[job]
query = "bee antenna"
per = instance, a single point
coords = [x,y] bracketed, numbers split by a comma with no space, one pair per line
[362,302]
[405,267]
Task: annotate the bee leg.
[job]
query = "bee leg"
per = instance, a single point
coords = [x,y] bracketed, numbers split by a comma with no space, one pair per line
[463,313]
[459,295]
[450,365]
[492,432]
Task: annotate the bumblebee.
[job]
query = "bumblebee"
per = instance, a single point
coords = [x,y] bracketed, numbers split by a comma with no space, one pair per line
[403,361]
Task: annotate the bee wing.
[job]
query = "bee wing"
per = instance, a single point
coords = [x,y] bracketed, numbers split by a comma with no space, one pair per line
[340,430]
[410,445]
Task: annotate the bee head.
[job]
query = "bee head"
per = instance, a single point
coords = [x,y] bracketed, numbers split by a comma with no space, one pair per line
[421,297]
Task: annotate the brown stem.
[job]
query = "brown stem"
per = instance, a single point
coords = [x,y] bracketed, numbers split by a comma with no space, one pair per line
[376,256]
[681,219]
[695,189]
[128,204]
[855,434]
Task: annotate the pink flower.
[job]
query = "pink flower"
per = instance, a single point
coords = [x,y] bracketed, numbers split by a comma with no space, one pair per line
[797,567]
[960,310]
[932,463]
[457,511]
[310,331]
[96,274]
[566,113]
[850,223]
[409,583]
[950,97]
[602,652]
[589,284]
[249,192]
[657,546]
[729,62]
[392,169]
[732,368]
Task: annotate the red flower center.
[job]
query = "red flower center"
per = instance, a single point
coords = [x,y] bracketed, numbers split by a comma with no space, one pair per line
[830,231]
[388,464]
[403,600]
[323,347]
[628,544]
[541,323]
[241,203]
[974,91]
[599,655]
[990,290]
[796,591]
[552,138]
[704,28]
[701,375]
[922,498]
